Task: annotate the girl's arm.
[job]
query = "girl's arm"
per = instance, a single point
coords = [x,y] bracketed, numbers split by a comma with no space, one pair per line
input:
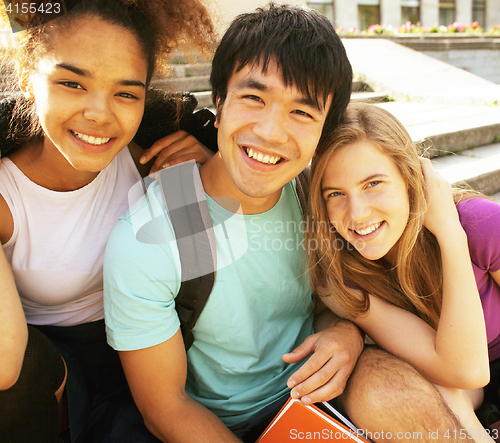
[13,328]
[496,276]
[455,355]
[168,151]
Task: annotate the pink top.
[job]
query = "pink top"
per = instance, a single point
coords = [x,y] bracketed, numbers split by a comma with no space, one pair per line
[480,219]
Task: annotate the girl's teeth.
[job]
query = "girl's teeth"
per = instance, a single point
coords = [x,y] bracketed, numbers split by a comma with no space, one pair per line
[368,230]
[90,139]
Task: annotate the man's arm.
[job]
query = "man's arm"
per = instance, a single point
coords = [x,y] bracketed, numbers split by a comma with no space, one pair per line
[334,351]
[157,376]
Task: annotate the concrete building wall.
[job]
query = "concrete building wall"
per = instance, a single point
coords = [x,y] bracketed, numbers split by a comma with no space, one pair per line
[492,13]
[390,12]
[429,12]
[463,10]
[484,63]
[346,14]
[225,11]
[346,11]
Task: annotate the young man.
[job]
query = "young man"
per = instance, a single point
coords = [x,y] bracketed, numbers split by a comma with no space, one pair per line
[273,105]
[280,80]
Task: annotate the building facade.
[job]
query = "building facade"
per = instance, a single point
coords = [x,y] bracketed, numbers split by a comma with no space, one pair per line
[362,13]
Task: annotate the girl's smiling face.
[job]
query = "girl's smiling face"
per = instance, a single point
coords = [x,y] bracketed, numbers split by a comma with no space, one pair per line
[89,88]
[366,199]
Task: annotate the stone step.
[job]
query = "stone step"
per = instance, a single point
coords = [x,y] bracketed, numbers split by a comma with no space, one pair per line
[368,97]
[407,75]
[192,84]
[204,99]
[450,128]
[479,167]
[496,197]
[190,70]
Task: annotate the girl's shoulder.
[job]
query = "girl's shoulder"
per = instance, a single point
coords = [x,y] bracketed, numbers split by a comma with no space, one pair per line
[479,213]
[480,219]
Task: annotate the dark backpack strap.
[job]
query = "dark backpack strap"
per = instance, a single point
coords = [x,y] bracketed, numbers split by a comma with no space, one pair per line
[302,186]
[190,218]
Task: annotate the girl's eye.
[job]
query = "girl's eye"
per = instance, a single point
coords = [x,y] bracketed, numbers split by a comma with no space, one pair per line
[127,95]
[72,85]
[334,194]
[373,183]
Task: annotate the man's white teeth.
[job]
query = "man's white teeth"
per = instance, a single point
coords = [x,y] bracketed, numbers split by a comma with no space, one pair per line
[368,230]
[91,140]
[262,158]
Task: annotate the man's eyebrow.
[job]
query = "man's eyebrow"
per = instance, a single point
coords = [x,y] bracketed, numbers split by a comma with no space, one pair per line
[88,74]
[255,84]
[252,84]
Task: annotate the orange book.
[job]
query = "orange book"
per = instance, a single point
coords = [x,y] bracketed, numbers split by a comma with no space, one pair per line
[297,421]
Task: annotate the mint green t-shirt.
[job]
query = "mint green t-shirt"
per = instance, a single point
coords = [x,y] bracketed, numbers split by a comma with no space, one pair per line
[260,306]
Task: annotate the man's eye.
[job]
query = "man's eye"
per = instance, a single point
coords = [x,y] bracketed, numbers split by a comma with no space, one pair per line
[305,114]
[253,97]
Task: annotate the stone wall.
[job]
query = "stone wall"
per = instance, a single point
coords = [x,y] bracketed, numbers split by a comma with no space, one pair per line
[479,55]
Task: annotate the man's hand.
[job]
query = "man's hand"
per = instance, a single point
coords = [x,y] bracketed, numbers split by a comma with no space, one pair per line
[175,148]
[334,353]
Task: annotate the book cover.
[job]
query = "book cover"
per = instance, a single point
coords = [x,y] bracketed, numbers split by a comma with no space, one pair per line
[297,421]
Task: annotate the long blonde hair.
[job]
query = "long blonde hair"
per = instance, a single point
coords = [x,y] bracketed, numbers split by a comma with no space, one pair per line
[414,283]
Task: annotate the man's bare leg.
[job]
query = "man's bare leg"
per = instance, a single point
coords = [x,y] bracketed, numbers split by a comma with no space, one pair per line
[391,401]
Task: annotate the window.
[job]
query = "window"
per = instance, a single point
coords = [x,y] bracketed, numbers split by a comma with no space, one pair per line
[410,11]
[368,15]
[325,7]
[478,12]
[446,12]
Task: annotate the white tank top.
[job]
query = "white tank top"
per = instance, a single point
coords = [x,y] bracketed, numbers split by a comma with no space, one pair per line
[57,248]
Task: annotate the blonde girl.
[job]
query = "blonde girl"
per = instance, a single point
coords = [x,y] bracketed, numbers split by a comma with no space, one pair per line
[395,244]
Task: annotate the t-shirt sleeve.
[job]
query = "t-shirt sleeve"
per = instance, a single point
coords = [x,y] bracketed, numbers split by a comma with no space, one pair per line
[141,280]
[480,219]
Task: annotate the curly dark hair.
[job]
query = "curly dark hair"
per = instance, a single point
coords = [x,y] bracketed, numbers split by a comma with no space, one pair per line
[160,26]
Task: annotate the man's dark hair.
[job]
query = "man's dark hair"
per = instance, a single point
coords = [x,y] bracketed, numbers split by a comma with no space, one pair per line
[305,47]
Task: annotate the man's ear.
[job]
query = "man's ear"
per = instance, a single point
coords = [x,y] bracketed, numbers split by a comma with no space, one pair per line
[218,110]
[25,84]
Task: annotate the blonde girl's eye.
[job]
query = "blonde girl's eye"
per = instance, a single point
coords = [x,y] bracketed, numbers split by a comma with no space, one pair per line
[333,194]
[373,183]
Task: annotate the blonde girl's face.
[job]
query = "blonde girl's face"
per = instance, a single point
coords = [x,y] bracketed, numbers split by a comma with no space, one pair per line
[366,199]
[89,90]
